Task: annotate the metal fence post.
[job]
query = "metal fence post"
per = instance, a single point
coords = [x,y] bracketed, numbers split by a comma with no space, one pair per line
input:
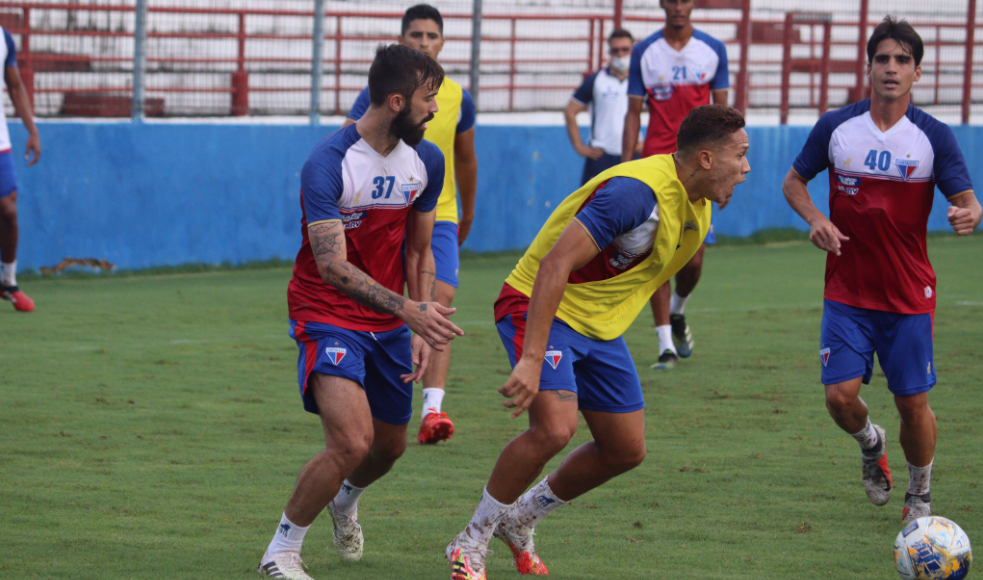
[317,59]
[139,61]
[475,73]
[968,62]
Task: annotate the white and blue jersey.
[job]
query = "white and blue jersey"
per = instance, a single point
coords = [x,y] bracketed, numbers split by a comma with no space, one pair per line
[606,96]
[345,179]
[8,55]
[881,190]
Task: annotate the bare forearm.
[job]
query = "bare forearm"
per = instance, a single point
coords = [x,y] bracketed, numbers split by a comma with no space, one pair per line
[328,245]
[22,107]
[629,140]
[797,195]
[551,281]
[466,174]
[421,275]
[573,131]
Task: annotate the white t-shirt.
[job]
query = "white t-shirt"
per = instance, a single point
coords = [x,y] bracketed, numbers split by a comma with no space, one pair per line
[607,98]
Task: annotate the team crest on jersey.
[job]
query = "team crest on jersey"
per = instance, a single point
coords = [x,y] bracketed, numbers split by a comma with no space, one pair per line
[335,354]
[824,354]
[906,167]
[410,190]
[700,75]
[553,357]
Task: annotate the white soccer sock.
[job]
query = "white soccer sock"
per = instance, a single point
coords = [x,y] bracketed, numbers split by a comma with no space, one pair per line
[677,303]
[485,518]
[347,499]
[920,478]
[867,437]
[8,273]
[536,504]
[665,338]
[432,398]
[289,537]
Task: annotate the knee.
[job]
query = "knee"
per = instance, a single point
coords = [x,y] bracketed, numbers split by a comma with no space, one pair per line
[350,449]
[8,213]
[626,458]
[838,401]
[913,410]
[553,437]
[695,263]
[389,450]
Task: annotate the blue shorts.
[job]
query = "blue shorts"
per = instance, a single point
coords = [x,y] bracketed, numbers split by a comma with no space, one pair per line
[600,372]
[8,177]
[903,343]
[374,360]
[443,244]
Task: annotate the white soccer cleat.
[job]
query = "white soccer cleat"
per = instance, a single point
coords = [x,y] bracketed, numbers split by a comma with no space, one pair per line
[348,540]
[877,474]
[286,565]
[466,557]
[915,506]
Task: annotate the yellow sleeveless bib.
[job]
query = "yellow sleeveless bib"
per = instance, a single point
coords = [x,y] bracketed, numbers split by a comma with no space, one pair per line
[604,309]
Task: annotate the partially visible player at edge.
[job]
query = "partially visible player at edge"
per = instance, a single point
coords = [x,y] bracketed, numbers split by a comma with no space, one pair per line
[885,158]
[452,130]
[675,70]
[9,231]
[561,316]
[363,191]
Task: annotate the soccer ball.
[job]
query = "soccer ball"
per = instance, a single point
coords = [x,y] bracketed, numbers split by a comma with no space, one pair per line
[932,548]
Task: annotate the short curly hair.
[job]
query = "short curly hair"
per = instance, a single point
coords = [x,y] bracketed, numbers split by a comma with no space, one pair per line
[707,125]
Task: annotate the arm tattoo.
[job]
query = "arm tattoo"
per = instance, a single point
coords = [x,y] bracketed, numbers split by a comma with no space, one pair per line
[328,245]
[433,283]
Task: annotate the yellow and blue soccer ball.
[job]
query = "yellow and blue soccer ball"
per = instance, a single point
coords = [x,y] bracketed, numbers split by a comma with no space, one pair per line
[932,548]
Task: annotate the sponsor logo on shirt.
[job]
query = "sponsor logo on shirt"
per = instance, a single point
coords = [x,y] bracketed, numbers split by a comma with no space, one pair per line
[824,354]
[335,354]
[848,180]
[928,292]
[661,92]
[906,167]
[690,226]
[553,357]
[352,220]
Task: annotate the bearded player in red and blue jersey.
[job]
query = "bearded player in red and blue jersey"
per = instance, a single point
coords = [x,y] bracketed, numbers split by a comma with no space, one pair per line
[364,190]
[885,157]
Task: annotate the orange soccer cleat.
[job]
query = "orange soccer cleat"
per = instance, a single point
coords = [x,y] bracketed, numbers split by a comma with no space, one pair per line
[436,427]
[20,300]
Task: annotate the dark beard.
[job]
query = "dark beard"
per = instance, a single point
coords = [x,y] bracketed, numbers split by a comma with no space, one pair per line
[410,134]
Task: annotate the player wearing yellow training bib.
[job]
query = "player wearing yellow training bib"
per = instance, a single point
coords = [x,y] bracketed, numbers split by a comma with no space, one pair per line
[452,131]
[561,316]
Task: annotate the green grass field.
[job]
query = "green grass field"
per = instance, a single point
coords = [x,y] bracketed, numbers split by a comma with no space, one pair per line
[150,428]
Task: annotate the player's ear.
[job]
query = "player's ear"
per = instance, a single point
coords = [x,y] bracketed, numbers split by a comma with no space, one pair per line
[396,102]
[705,158]
[918,73]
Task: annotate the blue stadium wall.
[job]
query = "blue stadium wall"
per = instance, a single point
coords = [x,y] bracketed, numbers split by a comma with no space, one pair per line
[167,194]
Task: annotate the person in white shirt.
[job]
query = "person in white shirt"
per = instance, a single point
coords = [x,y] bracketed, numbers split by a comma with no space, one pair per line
[605,94]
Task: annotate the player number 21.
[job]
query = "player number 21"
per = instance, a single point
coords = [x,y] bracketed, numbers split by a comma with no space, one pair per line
[383,186]
[880,161]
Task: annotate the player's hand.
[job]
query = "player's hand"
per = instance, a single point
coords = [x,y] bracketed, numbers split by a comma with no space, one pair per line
[429,321]
[522,386]
[590,152]
[826,236]
[421,358]
[639,145]
[33,145]
[962,220]
[464,228]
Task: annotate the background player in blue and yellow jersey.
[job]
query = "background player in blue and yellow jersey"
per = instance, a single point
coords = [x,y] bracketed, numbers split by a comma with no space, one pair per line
[364,190]
[675,70]
[452,130]
[8,179]
[561,316]
[884,158]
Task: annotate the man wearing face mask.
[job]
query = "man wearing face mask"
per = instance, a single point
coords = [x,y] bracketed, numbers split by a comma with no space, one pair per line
[605,94]
[674,71]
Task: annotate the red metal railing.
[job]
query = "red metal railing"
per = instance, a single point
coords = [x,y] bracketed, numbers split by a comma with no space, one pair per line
[799,56]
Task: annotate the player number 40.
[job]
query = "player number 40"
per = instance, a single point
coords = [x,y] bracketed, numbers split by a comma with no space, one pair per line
[878,160]
[383,186]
